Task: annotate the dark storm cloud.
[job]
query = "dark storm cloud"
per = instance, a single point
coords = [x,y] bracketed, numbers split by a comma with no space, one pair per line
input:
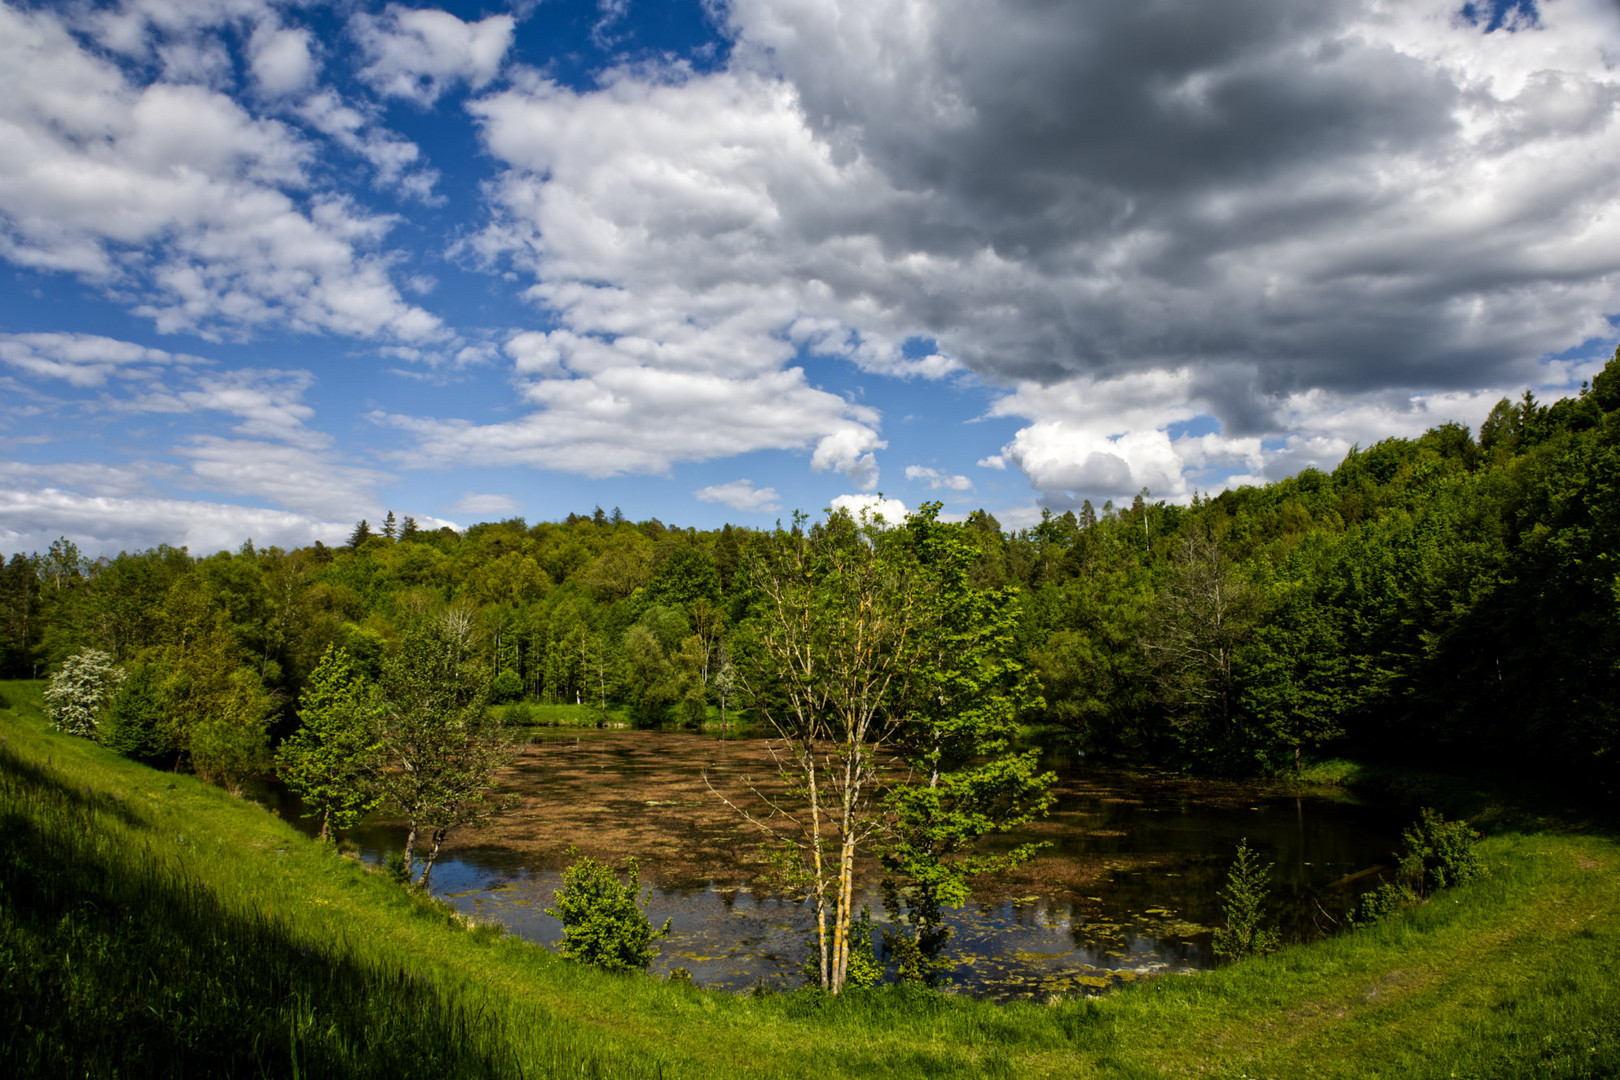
[1263,181]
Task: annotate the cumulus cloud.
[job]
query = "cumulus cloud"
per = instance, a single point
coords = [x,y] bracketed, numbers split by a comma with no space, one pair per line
[397,161]
[418,54]
[621,416]
[741,495]
[175,194]
[1212,209]
[937,480]
[892,511]
[1109,438]
[281,59]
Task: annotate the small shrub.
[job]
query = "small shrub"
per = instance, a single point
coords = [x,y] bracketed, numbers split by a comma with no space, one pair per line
[506,688]
[1439,853]
[1247,884]
[603,923]
[133,722]
[863,969]
[1387,899]
[519,714]
[394,866]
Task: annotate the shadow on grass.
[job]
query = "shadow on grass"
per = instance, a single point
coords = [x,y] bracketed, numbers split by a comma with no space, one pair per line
[113,962]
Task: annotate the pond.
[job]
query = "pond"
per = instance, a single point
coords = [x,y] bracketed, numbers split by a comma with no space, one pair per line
[1125,888]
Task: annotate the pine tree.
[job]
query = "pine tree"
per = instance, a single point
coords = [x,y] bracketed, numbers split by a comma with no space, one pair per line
[390,530]
[362,533]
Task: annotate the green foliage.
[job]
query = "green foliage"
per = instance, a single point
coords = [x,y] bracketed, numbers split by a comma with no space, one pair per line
[603,923]
[396,868]
[1242,907]
[442,745]
[506,688]
[864,969]
[1436,854]
[230,744]
[332,759]
[78,692]
[1439,853]
[236,953]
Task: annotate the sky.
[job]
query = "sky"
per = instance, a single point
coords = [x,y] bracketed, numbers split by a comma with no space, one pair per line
[268,268]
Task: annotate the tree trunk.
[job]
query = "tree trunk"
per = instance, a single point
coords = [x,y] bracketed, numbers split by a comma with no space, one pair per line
[846,900]
[410,847]
[433,853]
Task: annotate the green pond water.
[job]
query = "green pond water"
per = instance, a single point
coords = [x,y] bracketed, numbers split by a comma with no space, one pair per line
[1125,887]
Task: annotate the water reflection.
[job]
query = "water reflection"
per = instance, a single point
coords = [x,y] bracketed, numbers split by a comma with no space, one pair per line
[1124,888]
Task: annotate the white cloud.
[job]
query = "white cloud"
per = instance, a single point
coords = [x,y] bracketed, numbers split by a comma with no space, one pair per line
[1173,212]
[741,495]
[892,511]
[992,461]
[272,451]
[1108,439]
[174,193]
[647,213]
[937,480]
[419,54]
[104,525]
[302,479]
[396,160]
[474,505]
[281,59]
[128,478]
[85,360]
[620,416]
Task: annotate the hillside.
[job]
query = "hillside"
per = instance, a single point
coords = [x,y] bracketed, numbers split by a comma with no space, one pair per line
[153,925]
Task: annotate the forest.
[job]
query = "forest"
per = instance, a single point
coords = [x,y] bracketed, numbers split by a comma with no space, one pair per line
[1443,599]
[1443,609]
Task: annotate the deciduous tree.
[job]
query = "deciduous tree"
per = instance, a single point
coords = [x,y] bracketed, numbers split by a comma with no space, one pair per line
[77,693]
[442,745]
[332,760]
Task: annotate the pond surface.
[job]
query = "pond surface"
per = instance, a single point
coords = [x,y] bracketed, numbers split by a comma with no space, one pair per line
[1125,888]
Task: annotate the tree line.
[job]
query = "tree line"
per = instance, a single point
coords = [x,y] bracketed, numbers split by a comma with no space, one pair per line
[1447,595]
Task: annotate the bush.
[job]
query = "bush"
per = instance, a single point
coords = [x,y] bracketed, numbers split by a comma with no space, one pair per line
[1247,885]
[603,923]
[77,693]
[396,870]
[506,688]
[1437,855]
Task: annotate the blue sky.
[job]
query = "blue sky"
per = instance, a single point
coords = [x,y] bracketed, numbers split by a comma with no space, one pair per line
[273,267]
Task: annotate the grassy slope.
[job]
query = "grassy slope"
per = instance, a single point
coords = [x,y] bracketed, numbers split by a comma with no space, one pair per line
[150,924]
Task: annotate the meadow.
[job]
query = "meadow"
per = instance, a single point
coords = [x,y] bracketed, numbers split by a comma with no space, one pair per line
[153,925]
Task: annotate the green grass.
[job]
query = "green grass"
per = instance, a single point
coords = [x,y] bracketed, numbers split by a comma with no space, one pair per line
[530,713]
[153,926]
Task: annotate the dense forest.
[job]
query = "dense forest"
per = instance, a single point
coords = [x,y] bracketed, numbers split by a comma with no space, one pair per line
[1445,598]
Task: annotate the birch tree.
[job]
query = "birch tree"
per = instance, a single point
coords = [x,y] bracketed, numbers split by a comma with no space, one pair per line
[838,616]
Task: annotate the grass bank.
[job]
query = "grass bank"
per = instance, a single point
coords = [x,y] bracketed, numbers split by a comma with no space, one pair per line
[538,714]
[153,926]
